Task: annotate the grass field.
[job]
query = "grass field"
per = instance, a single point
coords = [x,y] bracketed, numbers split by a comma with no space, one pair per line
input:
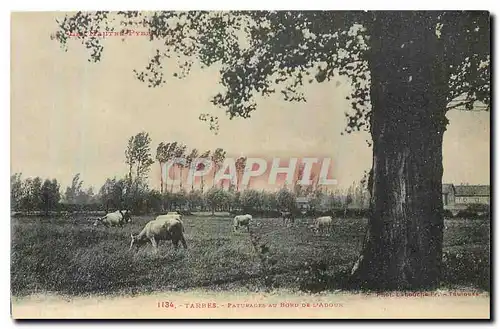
[74,257]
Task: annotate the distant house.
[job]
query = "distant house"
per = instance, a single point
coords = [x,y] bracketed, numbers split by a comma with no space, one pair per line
[302,203]
[448,195]
[459,196]
[467,194]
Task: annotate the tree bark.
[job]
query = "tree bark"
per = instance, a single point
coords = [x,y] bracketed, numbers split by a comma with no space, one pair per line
[403,244]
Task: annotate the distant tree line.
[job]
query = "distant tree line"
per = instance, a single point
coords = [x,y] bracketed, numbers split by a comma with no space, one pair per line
[131,191]
[34,194]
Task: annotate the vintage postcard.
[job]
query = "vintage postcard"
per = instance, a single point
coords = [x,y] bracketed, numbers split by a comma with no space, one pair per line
[250,165]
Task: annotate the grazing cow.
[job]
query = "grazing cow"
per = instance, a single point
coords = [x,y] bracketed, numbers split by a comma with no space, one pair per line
[127,216]
[242,220]
[287,217]
[322,224]
[117,218]
[164,227]
[172,214]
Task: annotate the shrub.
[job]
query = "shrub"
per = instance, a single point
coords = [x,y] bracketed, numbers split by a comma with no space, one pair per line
[448,213]
[478,207]
[467,267]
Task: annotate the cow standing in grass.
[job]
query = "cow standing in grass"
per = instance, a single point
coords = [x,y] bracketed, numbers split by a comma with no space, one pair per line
[174,214]
[164,227]
[322,224]
[242,220]
[287,217]
[117,218]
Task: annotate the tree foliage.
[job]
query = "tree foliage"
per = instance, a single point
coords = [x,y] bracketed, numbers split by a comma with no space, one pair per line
[195,199]
[33,199]
[50,195]
[113,193]
[16,191]
[201,166]
[265,52]
[286,200]
[218,157]
[189,161]
[251,200]
[217,198]
[316,200]
[240,168]
[74,191]
[34,194]
[138,155]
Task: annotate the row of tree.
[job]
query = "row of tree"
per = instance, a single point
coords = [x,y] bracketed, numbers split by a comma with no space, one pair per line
[35,194]
[166,152]
[32,194]
[139,161]
[132,191]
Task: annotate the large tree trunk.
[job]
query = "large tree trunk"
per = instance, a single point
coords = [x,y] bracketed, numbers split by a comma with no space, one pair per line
[403,245]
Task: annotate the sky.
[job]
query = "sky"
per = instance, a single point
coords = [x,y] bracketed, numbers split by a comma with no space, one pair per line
[70,116]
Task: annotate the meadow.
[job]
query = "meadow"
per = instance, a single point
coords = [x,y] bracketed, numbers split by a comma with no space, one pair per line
[73,257]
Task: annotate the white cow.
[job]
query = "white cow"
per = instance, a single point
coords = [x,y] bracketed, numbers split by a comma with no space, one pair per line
[322,224]
[173,214]
[117,218]
[164,227]
[242,220]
